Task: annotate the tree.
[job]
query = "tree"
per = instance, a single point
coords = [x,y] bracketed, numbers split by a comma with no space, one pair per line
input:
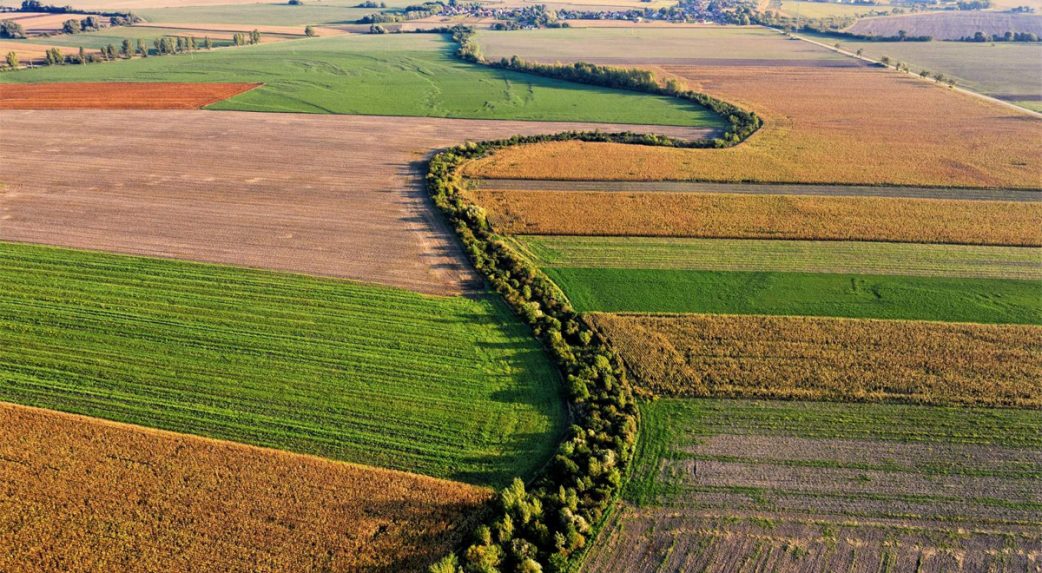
[207,43]
[859,52]
[924,74]
[141,49]
[194,44]
[83,56]
[11,29]
[255,37]
[309,31]
[125,50]
[55,57]
[110,52]
[885,60]
[72,27]
[12,60]
[939,77]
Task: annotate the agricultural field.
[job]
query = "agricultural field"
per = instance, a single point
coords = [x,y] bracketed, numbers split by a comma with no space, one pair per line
[116,95]
[343,370]
[1004,70]
[747,216]
[425,80]
[792,8]
[802,294]
[949,25]
[783,256]
[706,46]
[347,203]
[816,132]
[804,486]
[112,497]
[830,359]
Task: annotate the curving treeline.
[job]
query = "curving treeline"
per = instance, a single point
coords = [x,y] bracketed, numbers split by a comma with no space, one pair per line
[546,525]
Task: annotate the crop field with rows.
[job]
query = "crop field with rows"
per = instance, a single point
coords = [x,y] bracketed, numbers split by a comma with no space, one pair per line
[815,358]
[352,372]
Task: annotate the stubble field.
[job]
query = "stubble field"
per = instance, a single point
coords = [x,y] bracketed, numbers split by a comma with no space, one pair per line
[814,358]
[117,95]
[111,497]
[948,25]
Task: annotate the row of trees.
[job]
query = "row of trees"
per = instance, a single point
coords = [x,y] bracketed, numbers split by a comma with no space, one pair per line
[1006,37]
[546,524]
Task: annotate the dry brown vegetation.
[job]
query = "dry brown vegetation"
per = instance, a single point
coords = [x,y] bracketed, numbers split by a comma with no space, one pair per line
[85,495]
[117,95]
[826,125]
[830,358]
[763,216]
[327,195]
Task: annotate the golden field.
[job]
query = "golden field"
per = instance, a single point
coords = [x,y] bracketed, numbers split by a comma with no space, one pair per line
[830,358]
[86,495]
[735,216]
[823,125]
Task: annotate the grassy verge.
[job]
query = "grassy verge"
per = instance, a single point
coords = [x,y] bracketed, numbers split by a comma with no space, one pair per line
[785,256]
[449,387]
[409,75]
[803,294]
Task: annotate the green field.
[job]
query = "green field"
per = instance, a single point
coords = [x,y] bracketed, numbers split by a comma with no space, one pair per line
[671,427]
[802,294]
[1006,70]
[784,256]
[450,387]
[410,75]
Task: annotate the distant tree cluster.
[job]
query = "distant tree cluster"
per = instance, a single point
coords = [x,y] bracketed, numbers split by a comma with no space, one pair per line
[1006,37]
[11,29]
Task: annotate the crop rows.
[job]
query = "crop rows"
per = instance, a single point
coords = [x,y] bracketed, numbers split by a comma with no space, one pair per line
[833,487]
[347,371]
[86,495]
[831,359]
[785,256]
[763,217]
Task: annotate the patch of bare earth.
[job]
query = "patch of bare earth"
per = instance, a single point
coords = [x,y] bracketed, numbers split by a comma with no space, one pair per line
[113,497]
[335,196]
[783,503]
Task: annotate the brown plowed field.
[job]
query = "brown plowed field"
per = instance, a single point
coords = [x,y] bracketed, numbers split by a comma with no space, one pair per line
[823,125]
[113,497]
[326,195]
[117,95]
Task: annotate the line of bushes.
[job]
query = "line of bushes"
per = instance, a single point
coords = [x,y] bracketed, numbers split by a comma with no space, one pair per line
[741,123]
[546,524]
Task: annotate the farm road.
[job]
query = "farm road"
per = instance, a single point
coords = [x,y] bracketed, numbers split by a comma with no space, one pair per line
[326,195]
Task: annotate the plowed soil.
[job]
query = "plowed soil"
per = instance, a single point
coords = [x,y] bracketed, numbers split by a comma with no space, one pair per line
[117,95]
[326,195]
[112,497]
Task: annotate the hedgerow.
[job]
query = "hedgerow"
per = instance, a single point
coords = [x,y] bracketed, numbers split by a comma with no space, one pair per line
[545,525]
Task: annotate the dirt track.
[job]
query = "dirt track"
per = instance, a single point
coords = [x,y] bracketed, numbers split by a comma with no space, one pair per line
[327,195]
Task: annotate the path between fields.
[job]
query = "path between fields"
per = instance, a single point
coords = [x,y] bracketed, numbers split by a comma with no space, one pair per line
[328,195]
[1019,195]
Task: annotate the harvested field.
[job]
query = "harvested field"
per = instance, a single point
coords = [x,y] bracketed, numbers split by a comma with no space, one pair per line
[814,487]
[821,128]
[36,23]
[111,497]
[25,51]
[203,29]
[830,358]
[116,95]
[1002,301]
[760,189]
[948,25]
[353,372]
[762,217]
[635,45]
[784,256]
[347,202]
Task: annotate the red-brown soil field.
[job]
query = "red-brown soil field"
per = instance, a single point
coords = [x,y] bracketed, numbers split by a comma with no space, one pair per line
[117,95]
[113,497]
[327,195]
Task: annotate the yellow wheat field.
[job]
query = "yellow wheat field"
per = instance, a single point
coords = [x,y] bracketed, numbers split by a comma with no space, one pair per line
[831,358]
[763,217]
[83,495]
[823,125]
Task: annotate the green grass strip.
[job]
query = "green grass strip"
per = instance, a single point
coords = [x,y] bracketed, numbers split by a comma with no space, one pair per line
[452,387]
[803,294]
[873,258]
